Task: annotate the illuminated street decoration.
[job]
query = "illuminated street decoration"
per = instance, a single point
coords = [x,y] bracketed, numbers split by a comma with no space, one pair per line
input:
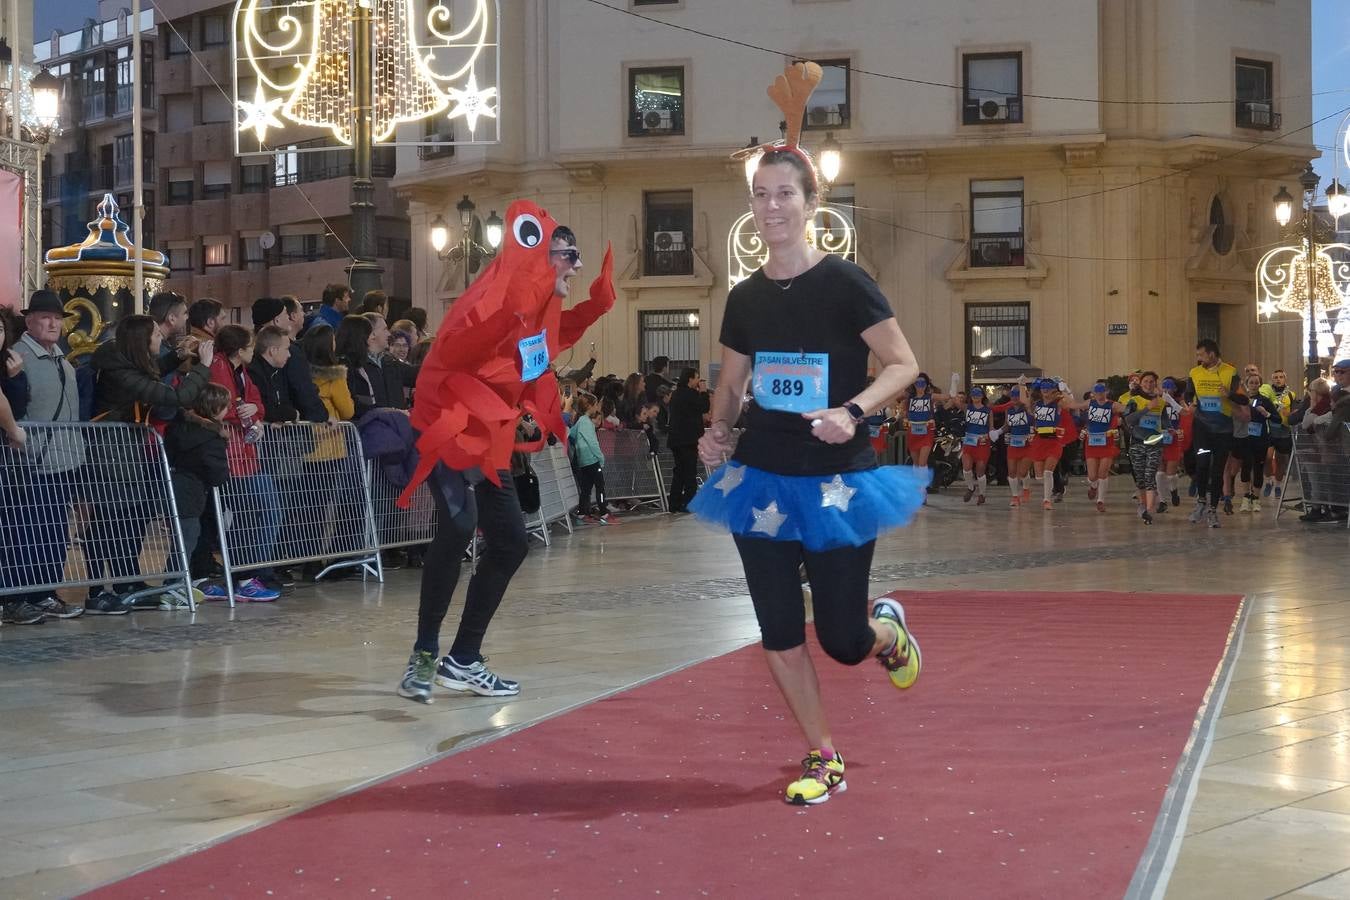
[1282,280]
[295,69]
[831,230]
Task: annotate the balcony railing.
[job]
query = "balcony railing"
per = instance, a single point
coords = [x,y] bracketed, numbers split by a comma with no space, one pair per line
[385,248]
[1257,115]
[101,178]
[94,108]
[989,250]
[125,171]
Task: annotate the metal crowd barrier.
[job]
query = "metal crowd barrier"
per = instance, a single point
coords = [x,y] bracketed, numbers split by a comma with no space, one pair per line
[395,527]
[89,504]
[558,494]
[302,493]
[1322,462]
[632,471]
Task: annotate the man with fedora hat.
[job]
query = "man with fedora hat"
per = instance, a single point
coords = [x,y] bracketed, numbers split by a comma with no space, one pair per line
[36,551]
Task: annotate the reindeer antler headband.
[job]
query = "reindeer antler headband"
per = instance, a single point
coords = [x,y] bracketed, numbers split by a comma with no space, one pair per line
[790,93]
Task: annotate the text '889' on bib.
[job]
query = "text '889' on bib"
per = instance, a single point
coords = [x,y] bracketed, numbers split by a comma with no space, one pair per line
[792,382]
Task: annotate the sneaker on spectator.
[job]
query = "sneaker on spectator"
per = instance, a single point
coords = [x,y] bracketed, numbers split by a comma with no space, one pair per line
[474,678]
[21,612]
[212,590]
[54,607]
[255,591]
[275,583]
[393,559]
[282,577]
[106,603]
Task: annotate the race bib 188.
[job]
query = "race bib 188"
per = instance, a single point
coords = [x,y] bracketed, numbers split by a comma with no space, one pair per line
[792,382]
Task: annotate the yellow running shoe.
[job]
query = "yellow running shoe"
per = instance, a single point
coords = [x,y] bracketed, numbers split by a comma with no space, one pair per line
[904,661]
[821,777]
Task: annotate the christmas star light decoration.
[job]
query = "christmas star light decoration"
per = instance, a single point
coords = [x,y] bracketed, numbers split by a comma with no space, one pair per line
[837,494]
[768,520]
[261,114]
[732,476]
[472,102]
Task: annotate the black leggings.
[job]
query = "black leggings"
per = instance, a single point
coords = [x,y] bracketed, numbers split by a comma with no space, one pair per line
[684,480]
[1209,466]
[1254,461]
[495,510]
[839,580]
[590,478]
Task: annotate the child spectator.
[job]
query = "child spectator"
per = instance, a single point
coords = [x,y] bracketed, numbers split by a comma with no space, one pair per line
[587,460]
[195,445]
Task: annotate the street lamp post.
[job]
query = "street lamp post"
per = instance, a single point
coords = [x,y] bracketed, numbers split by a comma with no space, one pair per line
[1284,211]
[468,252]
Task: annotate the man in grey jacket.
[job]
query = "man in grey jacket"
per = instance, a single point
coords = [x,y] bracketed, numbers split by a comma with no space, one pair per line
[41,498]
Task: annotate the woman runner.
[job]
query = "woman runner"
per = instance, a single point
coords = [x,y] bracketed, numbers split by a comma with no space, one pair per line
[1100,441]
[976,444]
[1049,405]
[1019,438]
[1175,442]
[917,416]
[802,485]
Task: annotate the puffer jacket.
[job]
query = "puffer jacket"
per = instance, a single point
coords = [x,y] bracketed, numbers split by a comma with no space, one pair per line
[124,393]
[387,437]
[243,456]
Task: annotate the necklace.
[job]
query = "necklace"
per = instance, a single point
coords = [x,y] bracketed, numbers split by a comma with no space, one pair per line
[781,286]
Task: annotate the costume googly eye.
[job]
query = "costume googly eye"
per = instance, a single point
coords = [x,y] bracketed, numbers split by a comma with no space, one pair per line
[527,231]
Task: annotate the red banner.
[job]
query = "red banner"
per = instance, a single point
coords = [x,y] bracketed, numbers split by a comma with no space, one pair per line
[11,239]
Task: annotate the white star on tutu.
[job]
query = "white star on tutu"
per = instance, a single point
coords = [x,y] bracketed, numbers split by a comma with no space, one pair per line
[836,493]
[769,519]
[732,476]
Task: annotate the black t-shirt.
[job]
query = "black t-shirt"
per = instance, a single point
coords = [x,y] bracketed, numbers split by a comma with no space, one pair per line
[822,313]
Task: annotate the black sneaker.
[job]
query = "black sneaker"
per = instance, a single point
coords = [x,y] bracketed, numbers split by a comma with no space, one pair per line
[393,560]
[282,577]
[21,612]
[106,603]
[473,678]
[1176,499]
[54,607]
[1162,507]
[275,583]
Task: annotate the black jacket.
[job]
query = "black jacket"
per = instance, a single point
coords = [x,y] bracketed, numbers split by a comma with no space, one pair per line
[300,381]
[687,407]
[197,447]
[378,385]
[652,384]
[121,386]
[275,390]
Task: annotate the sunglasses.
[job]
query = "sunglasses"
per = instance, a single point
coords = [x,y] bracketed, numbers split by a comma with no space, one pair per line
[571,254]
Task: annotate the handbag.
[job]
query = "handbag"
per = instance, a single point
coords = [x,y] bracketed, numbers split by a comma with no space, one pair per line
[527,490]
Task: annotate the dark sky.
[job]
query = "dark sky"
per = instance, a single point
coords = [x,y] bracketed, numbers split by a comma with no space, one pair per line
[65,15]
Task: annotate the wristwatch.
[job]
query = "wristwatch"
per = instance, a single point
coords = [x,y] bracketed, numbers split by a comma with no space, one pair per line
[855,411]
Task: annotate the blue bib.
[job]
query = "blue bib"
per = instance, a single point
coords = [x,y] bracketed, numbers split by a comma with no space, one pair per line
[1017,440]
[972,440]
[918,427]
[533,356]
[1211,404]
[1168,438]
[1097,439]
[1255,429]
[792,382]
[1150,423]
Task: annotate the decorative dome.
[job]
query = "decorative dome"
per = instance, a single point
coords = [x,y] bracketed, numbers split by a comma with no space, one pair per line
[105,258]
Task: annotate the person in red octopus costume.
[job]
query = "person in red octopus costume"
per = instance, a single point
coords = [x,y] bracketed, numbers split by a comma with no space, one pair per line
[488,365]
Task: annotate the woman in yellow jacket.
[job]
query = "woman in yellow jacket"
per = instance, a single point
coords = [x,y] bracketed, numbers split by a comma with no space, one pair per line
[330,451]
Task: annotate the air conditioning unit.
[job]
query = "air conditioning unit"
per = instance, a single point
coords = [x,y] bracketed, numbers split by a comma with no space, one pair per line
[664,241]
[658,121]
[998,253]
[993,111]
[1259,113]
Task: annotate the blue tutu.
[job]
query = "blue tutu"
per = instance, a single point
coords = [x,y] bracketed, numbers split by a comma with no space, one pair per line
[823,512]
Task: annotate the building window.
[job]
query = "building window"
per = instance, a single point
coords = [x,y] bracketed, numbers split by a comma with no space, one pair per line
[180,260]
[831,104]
[996,223]
[1254,82]
[1207,319]
[670,222]
[252,254]
[440,130]
[993,88]
[672,333]
[301,248]
[253,179]
[174,44]
[180,193]
[216,178]
[996,331]
[214,33]
[216,254]
[216,107]
[656,101]
[1222,238]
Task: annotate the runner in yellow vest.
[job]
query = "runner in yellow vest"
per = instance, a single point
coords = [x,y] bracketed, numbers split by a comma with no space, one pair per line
[1281,437]
[1213,387]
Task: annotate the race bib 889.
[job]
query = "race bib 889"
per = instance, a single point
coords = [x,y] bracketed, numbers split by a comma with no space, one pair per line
[792,382]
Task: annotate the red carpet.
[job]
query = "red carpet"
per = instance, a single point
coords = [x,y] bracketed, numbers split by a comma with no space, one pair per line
[1029,761]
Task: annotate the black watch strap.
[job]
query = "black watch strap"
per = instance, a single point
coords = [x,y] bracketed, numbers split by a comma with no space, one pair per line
[855,411]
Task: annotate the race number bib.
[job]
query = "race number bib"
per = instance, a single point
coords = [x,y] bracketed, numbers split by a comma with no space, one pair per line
[792,382]
[1169,438]
[533,356]
[1255,429]
[1097,440]
[1210,404]
[918,428]
[971,440]
[1017,440]
[1150,423]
